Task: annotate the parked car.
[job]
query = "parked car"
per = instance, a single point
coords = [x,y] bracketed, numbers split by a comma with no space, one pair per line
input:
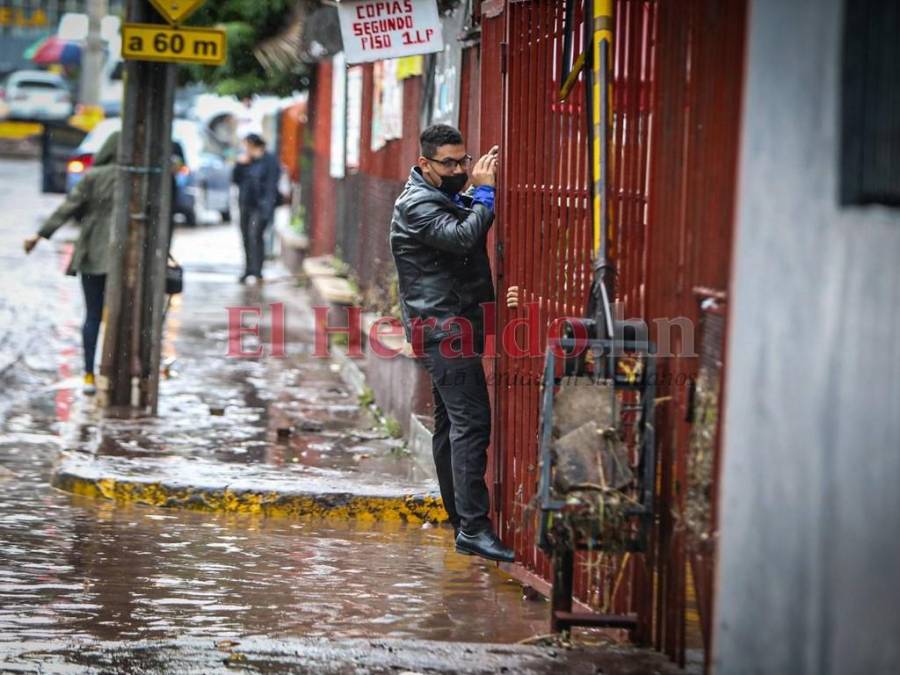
[36,95]
[202,178]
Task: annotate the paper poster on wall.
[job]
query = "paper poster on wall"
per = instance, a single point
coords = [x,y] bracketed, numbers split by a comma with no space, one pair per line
[442,83]
[410,66]
[373,30]
[354,115]
[338,114]
[387,104]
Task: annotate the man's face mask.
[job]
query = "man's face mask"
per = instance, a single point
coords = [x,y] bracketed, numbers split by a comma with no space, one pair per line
[451,185]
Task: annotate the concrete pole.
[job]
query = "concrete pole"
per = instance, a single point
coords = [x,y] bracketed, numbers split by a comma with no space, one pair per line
[135,281]
[92,57]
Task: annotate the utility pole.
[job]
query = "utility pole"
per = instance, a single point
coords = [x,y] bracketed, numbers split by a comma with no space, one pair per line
[135,283]
[92,60]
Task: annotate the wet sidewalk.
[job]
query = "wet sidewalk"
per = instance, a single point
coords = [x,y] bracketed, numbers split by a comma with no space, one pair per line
[92,584]
[272,435]
[95,569]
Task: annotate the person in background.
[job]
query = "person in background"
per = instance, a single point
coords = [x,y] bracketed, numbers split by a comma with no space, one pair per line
[91,203]
[256,174]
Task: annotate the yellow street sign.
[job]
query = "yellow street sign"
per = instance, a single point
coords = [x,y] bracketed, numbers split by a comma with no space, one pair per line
[155,42]
[176,11]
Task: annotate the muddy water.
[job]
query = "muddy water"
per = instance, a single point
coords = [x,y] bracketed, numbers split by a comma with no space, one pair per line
[71,567]
[75,568]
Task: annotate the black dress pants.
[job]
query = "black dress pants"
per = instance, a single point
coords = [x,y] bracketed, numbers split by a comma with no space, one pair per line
[253,227]
[462,433]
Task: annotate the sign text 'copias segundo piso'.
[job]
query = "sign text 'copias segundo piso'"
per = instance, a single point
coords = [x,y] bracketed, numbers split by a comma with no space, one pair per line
[386,29]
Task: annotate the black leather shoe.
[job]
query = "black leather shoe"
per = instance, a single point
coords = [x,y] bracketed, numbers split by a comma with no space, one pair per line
[486,544]
[455,537]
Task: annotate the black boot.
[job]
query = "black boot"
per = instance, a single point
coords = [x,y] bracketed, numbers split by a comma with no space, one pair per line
[486,544]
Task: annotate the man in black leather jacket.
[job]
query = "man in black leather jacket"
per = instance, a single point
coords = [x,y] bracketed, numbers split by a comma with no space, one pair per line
[438,241]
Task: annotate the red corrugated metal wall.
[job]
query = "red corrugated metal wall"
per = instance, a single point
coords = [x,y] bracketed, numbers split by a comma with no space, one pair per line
[545,225]
[699,69]
[676,101]
[321,203]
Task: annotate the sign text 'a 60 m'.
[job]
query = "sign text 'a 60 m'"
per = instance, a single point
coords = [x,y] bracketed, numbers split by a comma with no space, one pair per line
[154,42]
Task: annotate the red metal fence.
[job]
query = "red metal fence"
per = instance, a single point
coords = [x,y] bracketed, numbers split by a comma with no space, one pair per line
[699,79]
[544,226]
[677,79]
[677,72]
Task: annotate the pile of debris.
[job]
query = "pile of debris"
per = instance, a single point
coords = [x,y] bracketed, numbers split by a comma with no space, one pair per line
[592,472]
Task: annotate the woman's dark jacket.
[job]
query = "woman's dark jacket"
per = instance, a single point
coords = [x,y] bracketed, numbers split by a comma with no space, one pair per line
[91,203]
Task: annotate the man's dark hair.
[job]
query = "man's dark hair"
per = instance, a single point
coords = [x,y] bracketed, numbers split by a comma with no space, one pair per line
[437,135]
[255,140]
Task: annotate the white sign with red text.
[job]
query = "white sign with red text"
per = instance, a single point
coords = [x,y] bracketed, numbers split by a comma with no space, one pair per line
[387,29]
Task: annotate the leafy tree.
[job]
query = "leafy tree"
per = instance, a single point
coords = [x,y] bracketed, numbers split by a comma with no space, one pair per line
[251,25]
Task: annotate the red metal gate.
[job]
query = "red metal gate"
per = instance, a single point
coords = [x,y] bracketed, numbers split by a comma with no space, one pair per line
[546,232]
[677,72]
[699,80]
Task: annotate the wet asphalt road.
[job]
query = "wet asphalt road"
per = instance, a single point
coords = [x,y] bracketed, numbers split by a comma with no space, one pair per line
[72,568]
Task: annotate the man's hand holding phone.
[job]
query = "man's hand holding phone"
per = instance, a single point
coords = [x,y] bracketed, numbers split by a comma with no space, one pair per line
[485,170]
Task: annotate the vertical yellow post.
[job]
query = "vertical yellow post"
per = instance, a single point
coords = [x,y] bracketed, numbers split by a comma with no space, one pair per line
[601,46]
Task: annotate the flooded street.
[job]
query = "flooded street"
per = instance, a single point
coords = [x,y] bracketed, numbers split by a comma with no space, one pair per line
[73,568]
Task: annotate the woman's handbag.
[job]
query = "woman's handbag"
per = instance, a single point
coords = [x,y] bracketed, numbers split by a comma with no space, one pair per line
[174,277]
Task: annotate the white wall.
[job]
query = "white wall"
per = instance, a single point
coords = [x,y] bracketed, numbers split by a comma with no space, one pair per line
[809,575]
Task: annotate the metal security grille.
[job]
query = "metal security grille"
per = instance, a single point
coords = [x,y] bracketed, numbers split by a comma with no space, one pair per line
[696,110]
[364,205]
[546,232]
[677,82]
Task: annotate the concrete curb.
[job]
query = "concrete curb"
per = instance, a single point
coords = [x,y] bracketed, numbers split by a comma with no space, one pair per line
[326,285]
[420,445]
[293,247]
[85,478]
[324,655]
[352,375]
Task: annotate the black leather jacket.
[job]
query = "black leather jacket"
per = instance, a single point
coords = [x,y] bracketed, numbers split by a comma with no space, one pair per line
[441,257]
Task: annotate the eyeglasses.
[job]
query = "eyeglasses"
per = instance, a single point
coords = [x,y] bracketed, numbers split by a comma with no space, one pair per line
[450,164]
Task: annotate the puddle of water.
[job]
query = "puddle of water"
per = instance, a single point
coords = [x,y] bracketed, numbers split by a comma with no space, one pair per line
[101,571]
[77,569]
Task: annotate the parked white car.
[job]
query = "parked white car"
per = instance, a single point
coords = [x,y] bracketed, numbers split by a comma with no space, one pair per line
[37,95]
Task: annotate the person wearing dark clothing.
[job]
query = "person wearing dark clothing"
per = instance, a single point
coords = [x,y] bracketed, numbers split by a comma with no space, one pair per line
[438,240]
[91,203]
[256,174]
[93,286]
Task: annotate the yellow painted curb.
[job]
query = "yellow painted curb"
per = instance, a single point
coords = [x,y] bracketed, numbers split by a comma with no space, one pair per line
[413,509]
[14,130]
